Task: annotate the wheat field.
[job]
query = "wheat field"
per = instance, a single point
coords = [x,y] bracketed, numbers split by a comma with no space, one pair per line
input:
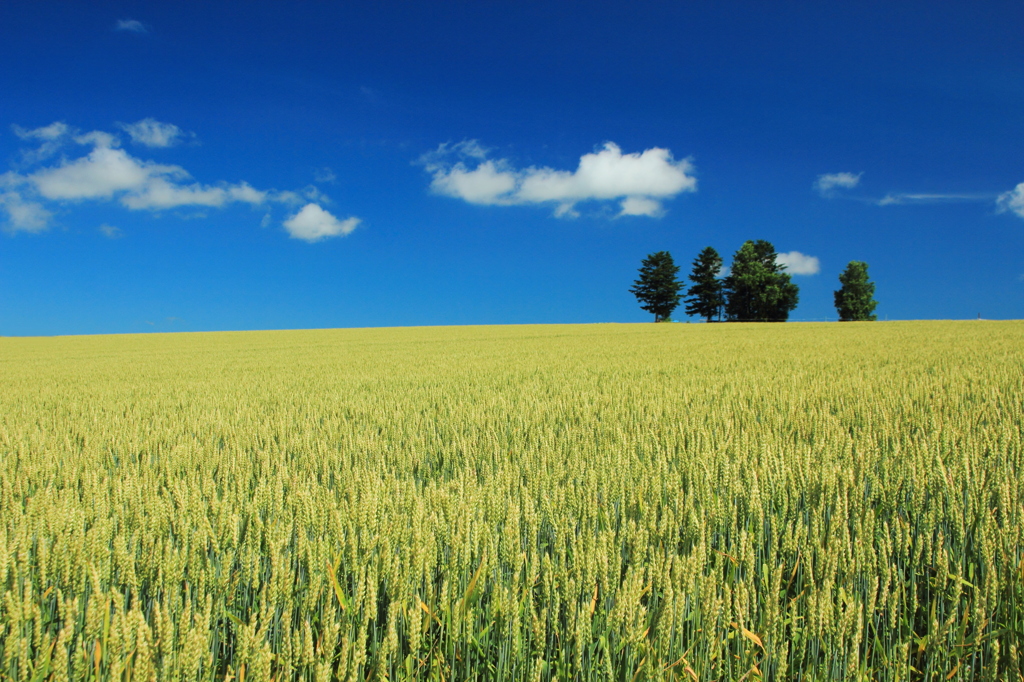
[592,502]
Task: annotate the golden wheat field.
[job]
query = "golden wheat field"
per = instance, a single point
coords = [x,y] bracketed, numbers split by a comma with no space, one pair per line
[593,502]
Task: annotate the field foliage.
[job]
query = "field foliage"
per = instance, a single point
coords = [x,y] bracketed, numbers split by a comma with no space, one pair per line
[602,502]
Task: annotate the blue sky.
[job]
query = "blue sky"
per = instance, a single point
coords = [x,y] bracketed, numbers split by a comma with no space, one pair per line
[171,167]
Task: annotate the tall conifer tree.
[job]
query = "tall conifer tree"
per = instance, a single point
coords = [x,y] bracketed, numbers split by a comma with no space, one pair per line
[705,296]
[657,289]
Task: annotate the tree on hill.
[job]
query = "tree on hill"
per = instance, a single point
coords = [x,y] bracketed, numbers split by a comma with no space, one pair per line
[705,296]
[657,289]
[758,288]
[855,300]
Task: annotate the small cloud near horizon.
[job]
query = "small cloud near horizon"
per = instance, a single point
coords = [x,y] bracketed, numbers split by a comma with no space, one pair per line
[798,263]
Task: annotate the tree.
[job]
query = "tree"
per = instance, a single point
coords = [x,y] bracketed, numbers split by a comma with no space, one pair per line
[657,289]
[855,299]
[706,297]
[758,288]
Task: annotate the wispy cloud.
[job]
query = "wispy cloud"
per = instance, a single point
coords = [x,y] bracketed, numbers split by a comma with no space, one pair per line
[50,138]
[150,132]
[827,183]
[22,215]
[1012,200]
[931,198]
[111,232]
[108,173]
[131,25]
[54,131]
[797,263]
[640,181]
[312,224]
[324,174]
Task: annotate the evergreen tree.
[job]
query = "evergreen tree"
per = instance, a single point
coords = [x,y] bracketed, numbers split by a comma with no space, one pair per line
[855,299]
[758,288]
[705,296]
[657,289]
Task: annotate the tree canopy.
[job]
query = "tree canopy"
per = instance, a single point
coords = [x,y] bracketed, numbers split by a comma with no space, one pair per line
[705,295]
[657,288]
[855,299]
[758,288]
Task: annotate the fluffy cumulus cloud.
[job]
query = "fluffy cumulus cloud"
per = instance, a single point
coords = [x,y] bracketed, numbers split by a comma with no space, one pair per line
[312,224]
[639,181]
[108,173]
[827,183]
[1013,200]
[798,263]
[105,172]
[150,132]
[488,183]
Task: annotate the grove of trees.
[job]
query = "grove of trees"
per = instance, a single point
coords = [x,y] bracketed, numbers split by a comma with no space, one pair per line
[756,288]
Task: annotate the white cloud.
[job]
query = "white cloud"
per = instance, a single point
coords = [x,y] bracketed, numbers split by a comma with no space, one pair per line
[641,180]
[99,175]
[826,184]
[641,206]
[150,132]
[132,25]
[98,138]
[313,223]
[106,171]
[159,193]
[22,215]
[799,264]
[1013,200]
[51,138]
[109,173]
[55,130]
[111,232]
[488,183]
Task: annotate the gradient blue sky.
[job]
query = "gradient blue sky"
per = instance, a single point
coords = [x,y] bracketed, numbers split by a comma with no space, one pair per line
[279,165]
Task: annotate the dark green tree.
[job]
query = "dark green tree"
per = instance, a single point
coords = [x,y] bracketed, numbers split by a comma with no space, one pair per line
[657,289]
[855,300]
[758,288]
[705,296]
